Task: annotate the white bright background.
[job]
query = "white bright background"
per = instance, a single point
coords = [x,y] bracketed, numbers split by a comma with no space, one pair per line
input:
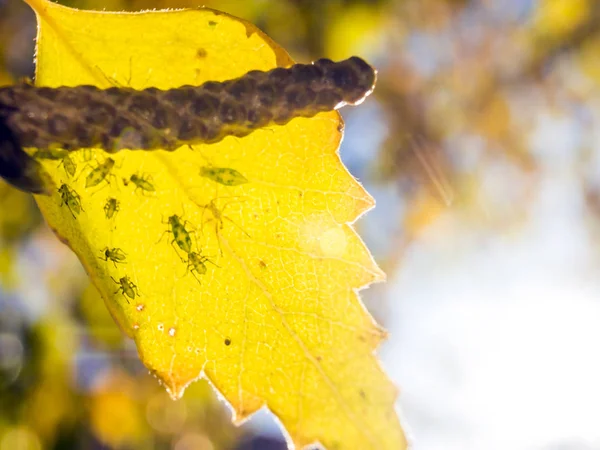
[496,333]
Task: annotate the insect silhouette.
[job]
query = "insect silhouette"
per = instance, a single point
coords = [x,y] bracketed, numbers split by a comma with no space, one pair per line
[69,166]
[116,255]
[111,207]
[142,182]
[51,153]
[218,213]
[126,287]
[196,264]
[181,236]
[70,198]
[219,218]
[223,175]
[57,154]
[99,174]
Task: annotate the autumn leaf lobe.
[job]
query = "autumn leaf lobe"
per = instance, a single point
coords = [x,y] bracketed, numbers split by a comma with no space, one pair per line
[237,260]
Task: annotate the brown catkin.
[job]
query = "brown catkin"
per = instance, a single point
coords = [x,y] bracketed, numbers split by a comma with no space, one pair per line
[124,118]
[18,168]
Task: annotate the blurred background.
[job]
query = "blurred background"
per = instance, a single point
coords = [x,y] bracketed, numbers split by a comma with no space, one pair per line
[481,145]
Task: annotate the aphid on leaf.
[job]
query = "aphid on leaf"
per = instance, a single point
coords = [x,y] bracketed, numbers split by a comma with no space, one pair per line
[180,235]
[69,165]
[54,154]
[196,264]
[223,175]
[70,198]
[116,255]
[126,287]
[99,174]
[111,207]
[143,182]
[219,218]
[218,215]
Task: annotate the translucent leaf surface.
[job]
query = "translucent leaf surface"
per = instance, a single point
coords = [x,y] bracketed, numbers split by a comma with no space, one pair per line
[235,261]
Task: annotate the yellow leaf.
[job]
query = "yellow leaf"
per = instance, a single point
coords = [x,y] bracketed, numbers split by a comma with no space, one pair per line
[235,261]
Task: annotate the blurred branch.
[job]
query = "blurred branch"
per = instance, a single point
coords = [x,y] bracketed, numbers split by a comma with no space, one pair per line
[554,49]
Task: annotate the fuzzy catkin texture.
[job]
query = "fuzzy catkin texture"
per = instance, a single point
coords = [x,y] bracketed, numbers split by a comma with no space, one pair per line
[123,118]
[55,120]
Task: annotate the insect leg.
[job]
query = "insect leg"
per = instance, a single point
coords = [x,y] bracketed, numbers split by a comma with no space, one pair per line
[176,251]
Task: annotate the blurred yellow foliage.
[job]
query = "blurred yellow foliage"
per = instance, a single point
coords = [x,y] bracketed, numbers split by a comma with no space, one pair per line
[355,29]
[425,208]
[165,415]
[101,325]
[5,80]
[115,415]
[8,277]
[556,18]
[22,215]
[494,121]
[589,60]
[50,406]
[19,438]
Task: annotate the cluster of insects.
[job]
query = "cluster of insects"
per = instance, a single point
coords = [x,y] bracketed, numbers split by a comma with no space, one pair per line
[134,119]
[126,286]
[60,155]
[225,176]
[196,262]
[71,199]
[103,172]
